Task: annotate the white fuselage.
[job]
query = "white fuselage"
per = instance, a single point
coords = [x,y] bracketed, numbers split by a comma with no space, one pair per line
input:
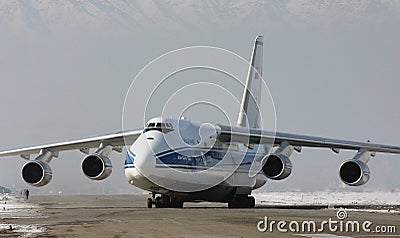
[182,157]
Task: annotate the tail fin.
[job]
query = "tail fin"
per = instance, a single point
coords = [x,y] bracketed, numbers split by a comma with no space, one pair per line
[250,107]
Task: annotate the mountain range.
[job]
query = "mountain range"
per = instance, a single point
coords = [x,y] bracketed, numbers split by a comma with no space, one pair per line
[43,15]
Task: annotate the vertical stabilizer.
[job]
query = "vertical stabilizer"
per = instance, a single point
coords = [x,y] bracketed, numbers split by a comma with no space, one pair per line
[249,115]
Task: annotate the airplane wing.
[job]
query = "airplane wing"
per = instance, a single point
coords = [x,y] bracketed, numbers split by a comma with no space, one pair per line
[113,139]
[257,136]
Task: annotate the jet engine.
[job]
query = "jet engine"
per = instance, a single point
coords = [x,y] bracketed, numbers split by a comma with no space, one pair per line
[276,166]
[96,166]
[354,172]
[37,173]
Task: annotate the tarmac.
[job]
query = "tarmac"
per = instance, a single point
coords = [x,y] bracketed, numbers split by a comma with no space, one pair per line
[127,216]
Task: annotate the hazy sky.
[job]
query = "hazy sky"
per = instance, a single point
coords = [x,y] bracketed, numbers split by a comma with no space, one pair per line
[332,68]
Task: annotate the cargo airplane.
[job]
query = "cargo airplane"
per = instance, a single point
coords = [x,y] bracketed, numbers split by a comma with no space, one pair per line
[204,162]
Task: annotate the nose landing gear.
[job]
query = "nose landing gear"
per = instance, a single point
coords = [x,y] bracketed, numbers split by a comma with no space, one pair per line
[164,201]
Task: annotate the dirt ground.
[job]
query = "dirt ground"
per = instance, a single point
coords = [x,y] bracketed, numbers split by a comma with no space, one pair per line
[127,216]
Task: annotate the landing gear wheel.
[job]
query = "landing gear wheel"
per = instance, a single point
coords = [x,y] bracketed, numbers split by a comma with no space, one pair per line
[251,202]
[242,201]
[175,203]
[149,203]
[158,202]
[163,201]
[234,203]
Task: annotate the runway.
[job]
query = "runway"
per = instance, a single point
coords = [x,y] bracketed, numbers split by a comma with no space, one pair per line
[127,216]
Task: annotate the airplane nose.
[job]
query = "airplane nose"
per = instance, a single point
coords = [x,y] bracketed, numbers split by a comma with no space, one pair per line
[140,158]
[135,175]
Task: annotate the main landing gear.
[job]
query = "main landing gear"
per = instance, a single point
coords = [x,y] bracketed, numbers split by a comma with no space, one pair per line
[164,201]
[242,201]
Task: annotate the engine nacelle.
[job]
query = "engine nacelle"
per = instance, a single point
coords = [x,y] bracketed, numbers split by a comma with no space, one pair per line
[354,172]
[276,166]
[37,173]
[96,167]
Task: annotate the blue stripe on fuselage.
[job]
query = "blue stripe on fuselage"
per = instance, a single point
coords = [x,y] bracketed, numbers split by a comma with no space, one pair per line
[130,159]
[172,159]
[208,160]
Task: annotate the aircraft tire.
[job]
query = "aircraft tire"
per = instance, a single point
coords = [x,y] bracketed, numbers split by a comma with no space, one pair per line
[158,202]
[251,202]
[242,202]
[175,203]
[149,203]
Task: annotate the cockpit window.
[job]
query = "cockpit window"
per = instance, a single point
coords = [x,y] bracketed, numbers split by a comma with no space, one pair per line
[159,126]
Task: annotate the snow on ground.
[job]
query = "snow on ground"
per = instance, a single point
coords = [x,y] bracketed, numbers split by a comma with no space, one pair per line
[13,206]
[22,230]
[328,198]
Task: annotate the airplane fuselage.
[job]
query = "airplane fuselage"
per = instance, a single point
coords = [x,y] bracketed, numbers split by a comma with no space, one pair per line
[180,158]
